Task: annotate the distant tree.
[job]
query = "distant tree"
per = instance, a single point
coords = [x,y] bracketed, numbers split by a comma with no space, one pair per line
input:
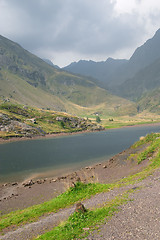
[98,120]
[138,108]
[62,124]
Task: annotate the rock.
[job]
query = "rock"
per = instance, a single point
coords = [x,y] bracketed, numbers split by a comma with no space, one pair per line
[32,120]
[30,183]
[39,181]
[104,166]
[60,118]
[80,208]
[73,184]
[111,160]
[86,167]
[14,184]
[5,184]
[54,180]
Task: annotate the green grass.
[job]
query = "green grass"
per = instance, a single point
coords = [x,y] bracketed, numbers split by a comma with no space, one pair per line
[148,138]
[149,151]
[75,226]
[154,143]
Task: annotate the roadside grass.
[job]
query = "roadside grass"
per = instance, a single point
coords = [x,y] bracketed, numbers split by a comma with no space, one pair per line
[80,224]
[83,191]
[72,195]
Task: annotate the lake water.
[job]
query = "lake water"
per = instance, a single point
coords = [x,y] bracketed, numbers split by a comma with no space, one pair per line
[55,156]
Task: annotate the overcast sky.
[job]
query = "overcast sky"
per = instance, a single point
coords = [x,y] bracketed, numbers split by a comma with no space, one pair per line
[69,30]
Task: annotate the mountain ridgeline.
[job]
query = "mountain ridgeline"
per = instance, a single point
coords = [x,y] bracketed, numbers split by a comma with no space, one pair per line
[28,80]
[131,79]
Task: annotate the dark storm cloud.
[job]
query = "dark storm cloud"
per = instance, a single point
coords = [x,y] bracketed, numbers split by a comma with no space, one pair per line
[82,26]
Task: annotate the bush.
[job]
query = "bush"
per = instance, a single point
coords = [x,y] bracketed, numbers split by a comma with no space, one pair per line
[62,124]
[98,120]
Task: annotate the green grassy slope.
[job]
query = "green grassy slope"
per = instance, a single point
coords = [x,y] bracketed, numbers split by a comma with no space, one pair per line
[144,81]
[26,79]
[150,101]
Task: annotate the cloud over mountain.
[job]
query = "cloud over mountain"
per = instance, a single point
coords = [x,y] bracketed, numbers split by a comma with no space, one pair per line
[65,31]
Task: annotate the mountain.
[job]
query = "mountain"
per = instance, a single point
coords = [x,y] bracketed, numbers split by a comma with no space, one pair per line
[113,72]
[101,71]
[50,63]
[143,82]
[147,53]
[27,79]
[145,64]
[143,56]
[150,101]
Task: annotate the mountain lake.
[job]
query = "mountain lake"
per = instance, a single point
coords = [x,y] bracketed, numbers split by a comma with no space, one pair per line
[60,155]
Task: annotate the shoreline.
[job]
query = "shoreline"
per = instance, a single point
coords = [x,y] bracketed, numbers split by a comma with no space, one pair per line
[47,136]
[54,135]
[20,194]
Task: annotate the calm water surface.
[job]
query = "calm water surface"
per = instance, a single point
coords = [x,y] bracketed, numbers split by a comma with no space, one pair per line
[44,157]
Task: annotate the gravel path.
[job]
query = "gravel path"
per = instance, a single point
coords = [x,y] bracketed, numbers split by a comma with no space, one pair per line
[138,219]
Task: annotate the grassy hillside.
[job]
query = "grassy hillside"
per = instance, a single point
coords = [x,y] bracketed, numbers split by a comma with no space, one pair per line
[150,101]
[143,82]
[28,80]
[18,64]
[19,121]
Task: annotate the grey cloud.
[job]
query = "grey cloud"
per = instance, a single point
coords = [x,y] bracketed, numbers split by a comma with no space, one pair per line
[87,27]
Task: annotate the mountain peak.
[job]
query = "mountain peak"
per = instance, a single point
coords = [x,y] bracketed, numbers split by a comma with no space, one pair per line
[148,52]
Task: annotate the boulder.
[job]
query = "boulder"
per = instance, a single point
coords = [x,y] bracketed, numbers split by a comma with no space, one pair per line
[80,208]
[28,184]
